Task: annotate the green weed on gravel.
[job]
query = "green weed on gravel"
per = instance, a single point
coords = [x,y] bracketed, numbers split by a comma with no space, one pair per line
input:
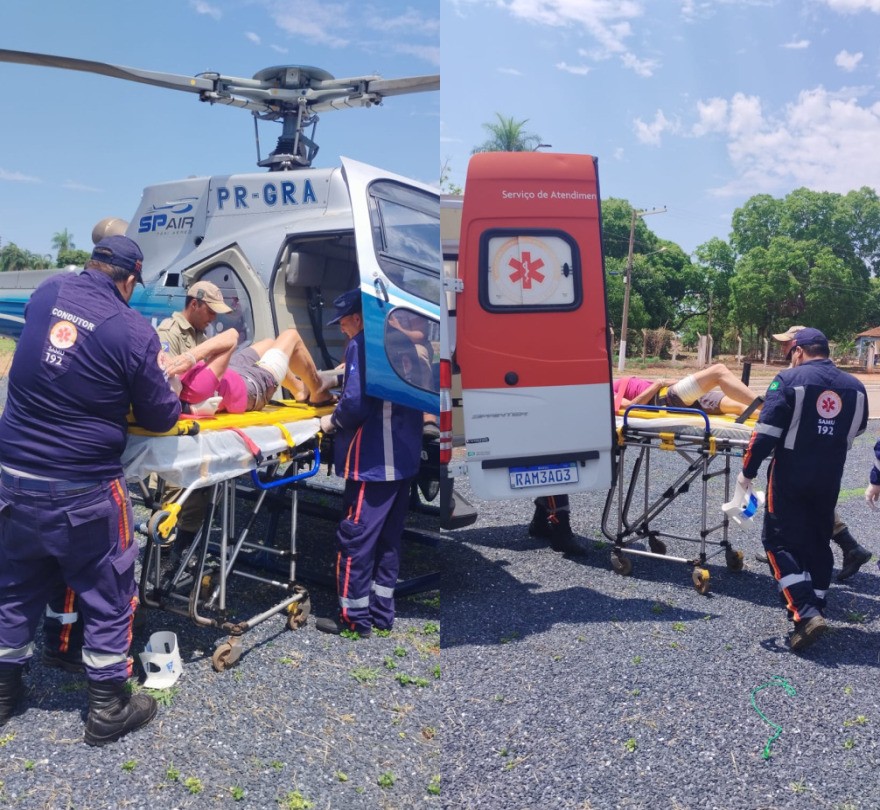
[295,801]
[365,675]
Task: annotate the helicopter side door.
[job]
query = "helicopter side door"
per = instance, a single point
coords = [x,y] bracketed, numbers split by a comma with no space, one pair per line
[397,234]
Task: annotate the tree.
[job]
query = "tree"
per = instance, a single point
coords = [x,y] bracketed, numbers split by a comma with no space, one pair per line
[76,258]
[447,187]
[12,257]
[508,136]
[63,241]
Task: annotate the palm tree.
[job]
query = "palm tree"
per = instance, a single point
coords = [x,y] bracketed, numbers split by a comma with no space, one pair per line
[508,136]
[63,241]
[12,257]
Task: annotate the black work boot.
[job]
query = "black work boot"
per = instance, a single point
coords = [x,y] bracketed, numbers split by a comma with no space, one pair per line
[853,559]
[539,527]
[561,536]
[113,712]
[11,692]
[69,661]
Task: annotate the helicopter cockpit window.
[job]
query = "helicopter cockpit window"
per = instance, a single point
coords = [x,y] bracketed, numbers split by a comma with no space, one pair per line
[412,343]
[535,270]
[406,236]
[235,295]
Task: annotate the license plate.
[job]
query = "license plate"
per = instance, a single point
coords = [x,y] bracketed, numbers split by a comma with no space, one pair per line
[543,475]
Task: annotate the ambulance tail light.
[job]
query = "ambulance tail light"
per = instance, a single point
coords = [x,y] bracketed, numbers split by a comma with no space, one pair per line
[445,411]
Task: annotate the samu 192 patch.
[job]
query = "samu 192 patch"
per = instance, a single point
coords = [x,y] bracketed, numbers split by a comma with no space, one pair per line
[773,386]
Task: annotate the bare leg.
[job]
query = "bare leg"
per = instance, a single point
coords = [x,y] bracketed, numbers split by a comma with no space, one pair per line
[721,376]
[301,364]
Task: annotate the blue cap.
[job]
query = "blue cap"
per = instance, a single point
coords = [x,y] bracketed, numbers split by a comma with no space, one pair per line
[120,251]
[808,336]
[346,304]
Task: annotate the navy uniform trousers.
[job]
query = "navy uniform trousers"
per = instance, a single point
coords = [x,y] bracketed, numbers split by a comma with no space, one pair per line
[797,527]
[368,541]
[76,535]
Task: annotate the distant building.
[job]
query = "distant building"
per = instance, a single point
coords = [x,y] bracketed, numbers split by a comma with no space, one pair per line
[867,346]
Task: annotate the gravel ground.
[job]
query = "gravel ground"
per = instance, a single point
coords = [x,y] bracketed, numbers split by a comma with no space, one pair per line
[303,720]
[568,686]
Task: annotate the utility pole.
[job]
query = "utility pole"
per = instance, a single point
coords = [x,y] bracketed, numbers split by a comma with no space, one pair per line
[621,357]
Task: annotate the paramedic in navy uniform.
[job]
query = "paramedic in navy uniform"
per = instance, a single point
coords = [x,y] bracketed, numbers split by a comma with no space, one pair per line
[377,450]
[812,413]
[83,361]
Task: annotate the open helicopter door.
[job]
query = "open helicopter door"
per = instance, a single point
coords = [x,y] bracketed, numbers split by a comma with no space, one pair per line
[397,233]
[532,335]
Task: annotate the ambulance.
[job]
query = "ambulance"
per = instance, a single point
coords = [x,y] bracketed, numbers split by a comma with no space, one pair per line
[526,405]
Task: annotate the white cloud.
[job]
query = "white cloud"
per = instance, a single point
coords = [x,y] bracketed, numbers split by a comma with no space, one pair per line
[17,177]
[822,140]
[848,61]
[278,49]
[712,116]
[340,24]
[255,38]
[430,53]
[201,7]
[510,71]
[853,6]
[313,20]
[607,22]
[642,67]
[650,133]
[411,21]
[577,70]
[797,44]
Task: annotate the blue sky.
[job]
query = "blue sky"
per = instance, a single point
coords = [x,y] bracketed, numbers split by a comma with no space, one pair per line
[76,147]
[695,105]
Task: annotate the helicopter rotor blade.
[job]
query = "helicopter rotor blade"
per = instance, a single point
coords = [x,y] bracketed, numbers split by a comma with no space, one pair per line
[192,84]
[410,84]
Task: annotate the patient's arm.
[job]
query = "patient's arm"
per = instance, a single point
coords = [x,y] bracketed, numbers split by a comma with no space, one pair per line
[646,396]
[213,348]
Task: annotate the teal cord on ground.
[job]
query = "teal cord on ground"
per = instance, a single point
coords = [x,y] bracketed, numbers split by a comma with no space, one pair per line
[776,680]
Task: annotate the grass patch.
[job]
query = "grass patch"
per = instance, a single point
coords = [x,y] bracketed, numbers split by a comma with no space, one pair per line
[365,675]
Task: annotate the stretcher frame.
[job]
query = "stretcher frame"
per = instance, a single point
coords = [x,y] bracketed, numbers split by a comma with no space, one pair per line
[632,508]
[197,586]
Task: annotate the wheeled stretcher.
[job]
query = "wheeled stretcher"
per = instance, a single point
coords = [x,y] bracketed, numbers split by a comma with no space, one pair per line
[636,502]
[274,448]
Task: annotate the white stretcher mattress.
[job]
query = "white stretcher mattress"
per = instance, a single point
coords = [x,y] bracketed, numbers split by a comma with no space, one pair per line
[683,424]
[211,455]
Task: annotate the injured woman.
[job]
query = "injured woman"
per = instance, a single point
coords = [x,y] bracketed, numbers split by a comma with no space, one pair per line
[219,376]
[694,391]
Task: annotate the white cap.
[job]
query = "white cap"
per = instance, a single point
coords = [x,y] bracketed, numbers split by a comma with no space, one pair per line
[161,661]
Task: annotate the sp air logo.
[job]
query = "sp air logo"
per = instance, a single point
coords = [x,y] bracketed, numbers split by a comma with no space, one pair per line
[172,216]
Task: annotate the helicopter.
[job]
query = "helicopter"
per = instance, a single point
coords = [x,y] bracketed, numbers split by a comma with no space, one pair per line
[282,243]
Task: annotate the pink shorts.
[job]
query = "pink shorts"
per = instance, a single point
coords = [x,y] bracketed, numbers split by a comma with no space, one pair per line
[200,382]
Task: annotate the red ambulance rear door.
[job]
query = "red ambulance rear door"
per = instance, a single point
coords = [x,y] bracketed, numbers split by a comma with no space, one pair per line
[532,334]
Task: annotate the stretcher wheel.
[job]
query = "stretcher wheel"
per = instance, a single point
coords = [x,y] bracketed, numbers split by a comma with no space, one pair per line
[224,657]
[700,577]
[620,564]
[734,559]
[298,614]
[656,545]
[153,527]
